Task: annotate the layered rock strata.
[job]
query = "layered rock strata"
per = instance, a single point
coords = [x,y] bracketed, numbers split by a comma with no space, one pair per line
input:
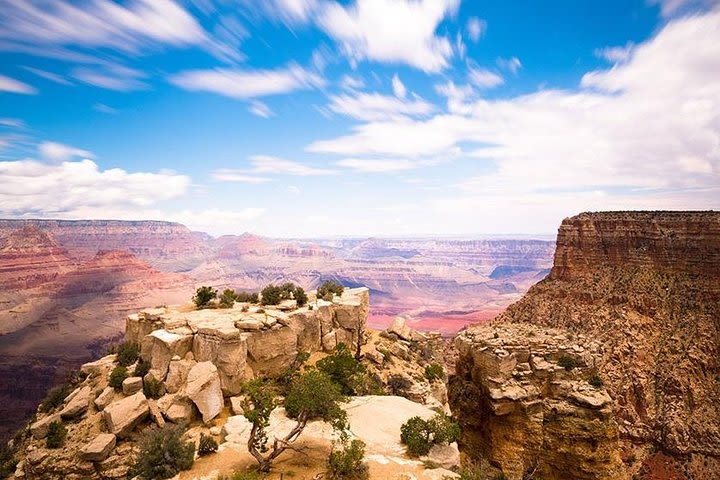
[523,397]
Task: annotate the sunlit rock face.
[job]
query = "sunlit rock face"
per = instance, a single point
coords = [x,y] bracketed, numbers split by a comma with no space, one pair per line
[523,397]
[645,285]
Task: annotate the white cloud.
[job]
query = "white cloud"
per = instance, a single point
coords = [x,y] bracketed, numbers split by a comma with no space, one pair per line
[628,136]
[374,106]
[458,96]
[59,152]
[12,122]
[80,188]
[348,82]
[11,85]
[104,23]
[111,77]
[398,87]
[102,108]
[376,165]
[237,83]
[482,78]
[268,165]
[295,190]
[239,176]
[615,54]
[215,220]
[476,28]
[512,64]
[669,8]
[391,31]
[53,77]
[260,109]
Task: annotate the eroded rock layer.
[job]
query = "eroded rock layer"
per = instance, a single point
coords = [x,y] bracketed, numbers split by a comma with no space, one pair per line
[528,403]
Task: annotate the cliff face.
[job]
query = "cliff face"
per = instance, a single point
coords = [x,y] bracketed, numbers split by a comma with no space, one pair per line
[646,286]
[680,242]
[29,257]
[523,397]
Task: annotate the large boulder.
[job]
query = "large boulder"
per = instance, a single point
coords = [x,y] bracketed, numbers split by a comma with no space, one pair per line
[271,351]
[226,348]
[99,448]
[122,416]
[105,397]
[177,373]
[77,402]
[306,326]
[39,429]
[99,367]
[203,388]
[160,346]
[132,385]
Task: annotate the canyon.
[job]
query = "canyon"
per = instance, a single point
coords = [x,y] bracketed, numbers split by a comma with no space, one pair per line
[68,285]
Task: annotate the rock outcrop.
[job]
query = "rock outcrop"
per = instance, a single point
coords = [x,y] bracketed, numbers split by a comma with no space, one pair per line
[644,285]
[522,396]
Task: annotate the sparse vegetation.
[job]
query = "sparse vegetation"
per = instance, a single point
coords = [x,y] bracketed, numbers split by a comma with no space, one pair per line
[247,297]
[203,296]
[399,385]
[567,362]
[227,298]
[250,475]
[420,435]
[206,445]
[56,435]
[345,370]
[141,369]
[300,296]
[328,289]
[117,376]
[55,397]
[127,353]
[163,453]
[347,463]
[271,295]
[434,371]
[153,388]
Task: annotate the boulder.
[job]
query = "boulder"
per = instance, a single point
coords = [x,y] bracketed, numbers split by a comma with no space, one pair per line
[39,429]
[203,388]
[132,385]
[177,374]
[99,448]
[122,416]
[401,329]
[155,413]
[447,456]
[236,405]
[78,402]
[180,411]
[99,367]
[329,341]
[105,397]
[159,347]
[228,352]
[271,351]
[306,326]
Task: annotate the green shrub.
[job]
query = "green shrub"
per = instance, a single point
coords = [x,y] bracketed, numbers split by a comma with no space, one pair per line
[420,435]
[141,369]
[8,462]
[246,297]
[250,475]
[399,385]
[163,453]
[207,445]
[434,371]
[595,380]
[567,362]
[300,296]
[153,388]
[342,367]
[227,298]
[286,290]
[117,376]
[348,463]
[203,296]
[56,435]
[314,395]
[328,289]
[55,397]
[271,295]
[127,353]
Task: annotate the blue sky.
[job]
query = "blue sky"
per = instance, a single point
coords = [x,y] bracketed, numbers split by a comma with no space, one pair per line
[305,118]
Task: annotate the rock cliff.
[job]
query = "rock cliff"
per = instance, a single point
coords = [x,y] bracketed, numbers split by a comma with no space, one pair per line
[529,404]
[644,285]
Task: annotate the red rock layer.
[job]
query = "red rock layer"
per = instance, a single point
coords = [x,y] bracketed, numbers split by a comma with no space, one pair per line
[30,257]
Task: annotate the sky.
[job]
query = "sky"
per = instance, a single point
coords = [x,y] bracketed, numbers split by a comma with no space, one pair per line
[311,118]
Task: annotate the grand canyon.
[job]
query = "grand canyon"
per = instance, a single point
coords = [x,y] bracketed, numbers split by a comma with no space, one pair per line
[68,285]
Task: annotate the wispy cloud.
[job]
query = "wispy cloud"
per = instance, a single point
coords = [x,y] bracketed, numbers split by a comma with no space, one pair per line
[398,87]
[239,176]
[238,83]
[483,78]
[12,122]
[112,77]
[263,166]
[513,64]
[59,152]
[476,28]
[53,77]
[615,54]
[260,109]
[102,108]
[375,106]
[11,85]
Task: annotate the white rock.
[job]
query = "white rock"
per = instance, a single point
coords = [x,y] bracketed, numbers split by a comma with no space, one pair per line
[132,385]
[78,403]
[99,448]
[39,429]
[203,388]
[447,456]
[105,397]
[122,416]
[98,367]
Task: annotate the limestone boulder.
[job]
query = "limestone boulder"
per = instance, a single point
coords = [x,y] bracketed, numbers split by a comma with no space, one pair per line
[329,341]
[306,326]
[155,413]
[160,346]
[122,416]
[99,367]
[39,429]
[132,385]
[400,328]
[447,456]
[180,411]
[77,402]
[271,351]
[105,397]
[203,388]
[236,405]
[228,352]
[177,374]
[99,448]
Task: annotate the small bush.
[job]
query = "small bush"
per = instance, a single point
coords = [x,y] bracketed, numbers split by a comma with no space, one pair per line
[127,353]
[329,289]
[55,397]
[595,380]
[207,445]
[203,296]
[117,376]
[567,362]
[56,435]
[342,367]
[227,298]
[163,453]
[251,475]
[348,463]
[399,385]
[271,295]
[246,297]
[420,435]
[434,371]
[300,296]
[141,369]
[153,388]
